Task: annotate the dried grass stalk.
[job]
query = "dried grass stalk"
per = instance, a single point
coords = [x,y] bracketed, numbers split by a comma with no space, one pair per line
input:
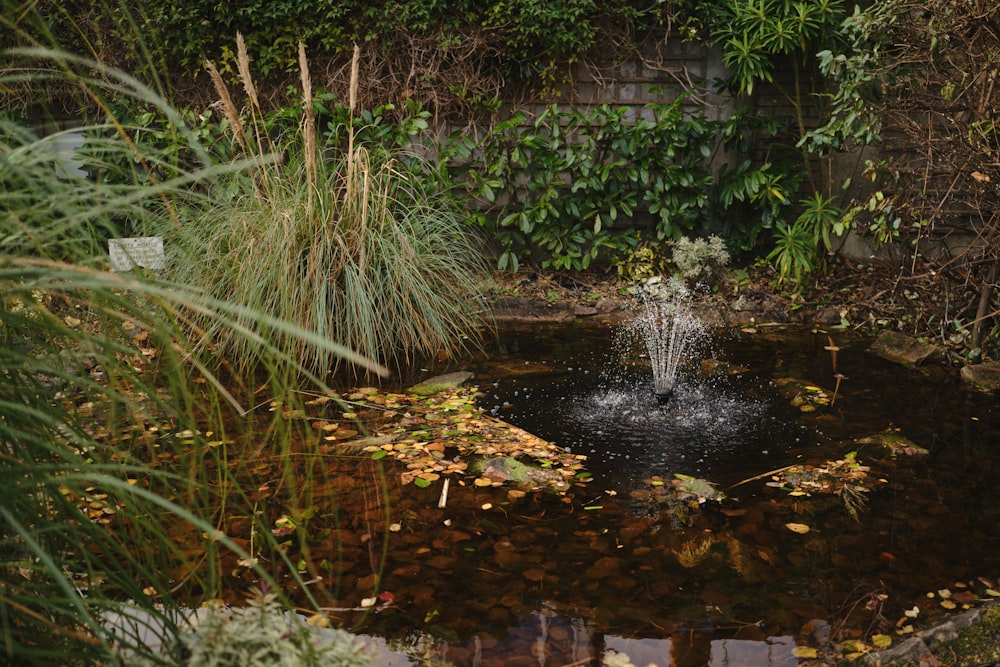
[309,119]
[228,107]
[355,61]
[352,100]
[243,65]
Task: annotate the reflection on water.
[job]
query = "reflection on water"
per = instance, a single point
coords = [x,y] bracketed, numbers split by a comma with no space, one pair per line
[557,641]
[497,580]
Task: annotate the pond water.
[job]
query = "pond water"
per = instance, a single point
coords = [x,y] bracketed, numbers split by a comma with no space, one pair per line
[616,568]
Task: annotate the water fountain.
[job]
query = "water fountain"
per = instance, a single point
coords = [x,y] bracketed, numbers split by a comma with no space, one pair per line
[670,331]
[598,399]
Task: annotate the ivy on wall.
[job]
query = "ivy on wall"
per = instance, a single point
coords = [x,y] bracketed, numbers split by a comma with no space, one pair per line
[455,55]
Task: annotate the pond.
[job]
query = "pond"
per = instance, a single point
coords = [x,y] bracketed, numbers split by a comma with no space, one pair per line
[779,420]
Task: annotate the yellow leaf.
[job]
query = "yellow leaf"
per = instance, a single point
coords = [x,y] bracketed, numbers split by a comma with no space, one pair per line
[882,641]
[799,528]
[318,620]
[992,593]
[805,652]
[852,646]
[948,604]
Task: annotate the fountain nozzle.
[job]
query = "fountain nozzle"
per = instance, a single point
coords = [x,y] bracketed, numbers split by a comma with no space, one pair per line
[663,397]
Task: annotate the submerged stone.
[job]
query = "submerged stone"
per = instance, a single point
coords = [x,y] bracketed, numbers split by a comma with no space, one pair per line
[440,383]
[894,444]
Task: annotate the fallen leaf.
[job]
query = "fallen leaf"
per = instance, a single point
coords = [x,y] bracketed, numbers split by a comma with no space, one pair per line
[799,528]
[805,652]
[882,641]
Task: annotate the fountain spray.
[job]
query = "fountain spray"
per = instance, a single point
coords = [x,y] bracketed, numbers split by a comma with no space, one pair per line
[669,329]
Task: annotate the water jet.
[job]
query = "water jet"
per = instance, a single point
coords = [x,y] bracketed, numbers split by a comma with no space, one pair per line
[669,329]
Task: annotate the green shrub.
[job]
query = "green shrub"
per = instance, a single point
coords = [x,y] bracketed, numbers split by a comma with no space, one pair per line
[572,185]
[700,259]
[262,634]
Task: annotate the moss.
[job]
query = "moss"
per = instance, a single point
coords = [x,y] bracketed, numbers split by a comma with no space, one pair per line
[975,645]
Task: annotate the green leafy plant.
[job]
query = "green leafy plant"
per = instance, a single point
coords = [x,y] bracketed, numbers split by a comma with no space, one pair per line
[821,215]
[797,246]
[573,185]
[756,36]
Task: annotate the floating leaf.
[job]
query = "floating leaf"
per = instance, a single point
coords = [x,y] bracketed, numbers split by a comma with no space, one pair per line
[799,528]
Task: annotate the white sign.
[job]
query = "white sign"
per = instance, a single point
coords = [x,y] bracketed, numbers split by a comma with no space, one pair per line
[144,251]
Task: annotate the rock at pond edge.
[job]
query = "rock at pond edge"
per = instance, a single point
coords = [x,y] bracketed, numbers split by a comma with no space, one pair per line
[903,349]
[984,377]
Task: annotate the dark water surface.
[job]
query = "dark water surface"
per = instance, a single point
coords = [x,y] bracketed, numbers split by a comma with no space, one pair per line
[547,581]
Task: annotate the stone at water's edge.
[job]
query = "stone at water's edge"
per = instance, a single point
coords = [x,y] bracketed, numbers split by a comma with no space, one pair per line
[440,383]
[985,377]
[903,349]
